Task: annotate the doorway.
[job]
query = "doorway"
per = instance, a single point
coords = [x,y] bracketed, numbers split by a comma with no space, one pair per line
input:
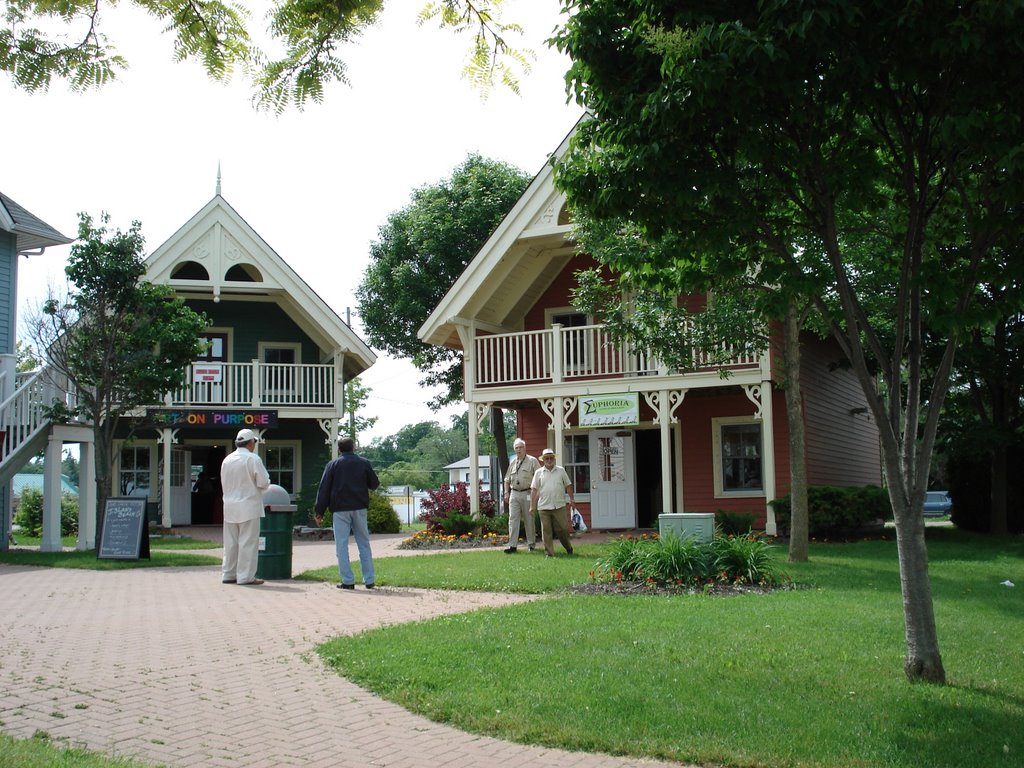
[207,502]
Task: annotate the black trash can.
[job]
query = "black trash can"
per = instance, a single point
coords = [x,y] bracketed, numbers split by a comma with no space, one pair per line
[275,553]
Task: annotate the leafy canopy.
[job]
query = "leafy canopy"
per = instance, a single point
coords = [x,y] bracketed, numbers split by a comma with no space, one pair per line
[44,40]
[419,254]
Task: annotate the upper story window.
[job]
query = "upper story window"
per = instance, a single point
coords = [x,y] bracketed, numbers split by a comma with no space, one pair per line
[243,273]
[216,347]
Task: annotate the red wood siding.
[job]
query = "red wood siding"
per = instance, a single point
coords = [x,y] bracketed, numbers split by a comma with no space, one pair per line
[698,455]
[842,447]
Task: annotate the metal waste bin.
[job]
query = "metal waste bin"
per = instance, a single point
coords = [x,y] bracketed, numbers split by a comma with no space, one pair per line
[275,553]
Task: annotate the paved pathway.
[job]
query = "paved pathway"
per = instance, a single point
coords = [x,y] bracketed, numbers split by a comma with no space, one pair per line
[173,668]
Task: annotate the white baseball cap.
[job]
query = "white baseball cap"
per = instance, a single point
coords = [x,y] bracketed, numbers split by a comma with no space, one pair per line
[245,436]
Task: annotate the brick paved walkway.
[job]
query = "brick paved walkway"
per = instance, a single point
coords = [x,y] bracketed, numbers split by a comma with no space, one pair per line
[173,668]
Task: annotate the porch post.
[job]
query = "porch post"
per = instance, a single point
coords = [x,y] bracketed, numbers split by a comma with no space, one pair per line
[476,417]
[166,439]
[467,336]
[340,402]
[768,446]
[51,495]
[665,432]
[558,419]
[86,495]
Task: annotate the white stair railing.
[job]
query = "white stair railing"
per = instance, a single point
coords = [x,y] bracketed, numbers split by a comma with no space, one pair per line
[25,413]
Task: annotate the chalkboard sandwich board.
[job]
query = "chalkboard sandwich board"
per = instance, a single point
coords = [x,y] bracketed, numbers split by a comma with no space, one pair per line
[125,531]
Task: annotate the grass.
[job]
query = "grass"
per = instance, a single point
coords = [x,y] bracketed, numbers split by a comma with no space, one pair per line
[40,752]
[163,554]
[809,678]
[478,570]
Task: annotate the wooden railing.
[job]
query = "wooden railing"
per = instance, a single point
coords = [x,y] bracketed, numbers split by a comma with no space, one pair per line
[573,354]
[24,414]
[257,384]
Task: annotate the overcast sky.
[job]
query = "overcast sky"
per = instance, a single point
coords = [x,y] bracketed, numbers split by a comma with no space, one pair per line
[316,184]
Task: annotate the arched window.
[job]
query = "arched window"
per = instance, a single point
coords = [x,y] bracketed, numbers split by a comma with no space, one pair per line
[190,270]
[244,273]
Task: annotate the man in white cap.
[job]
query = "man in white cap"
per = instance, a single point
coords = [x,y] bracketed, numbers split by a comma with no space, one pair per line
[548,491]
[243,479]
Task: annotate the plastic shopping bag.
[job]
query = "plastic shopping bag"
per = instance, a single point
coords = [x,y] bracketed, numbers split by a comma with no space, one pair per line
[577,521]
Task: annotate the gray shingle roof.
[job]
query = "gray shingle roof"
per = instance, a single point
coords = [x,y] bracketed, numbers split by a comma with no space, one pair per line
[30,231]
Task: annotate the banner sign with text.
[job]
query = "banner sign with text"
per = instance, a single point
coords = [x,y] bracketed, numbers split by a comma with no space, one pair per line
[609,410]
[234,418]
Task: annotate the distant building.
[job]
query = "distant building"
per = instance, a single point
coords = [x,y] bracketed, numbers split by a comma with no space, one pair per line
[459,471]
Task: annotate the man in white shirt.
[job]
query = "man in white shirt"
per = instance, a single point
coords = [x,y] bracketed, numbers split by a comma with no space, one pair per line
[549,489]
[517,496]
[243,478]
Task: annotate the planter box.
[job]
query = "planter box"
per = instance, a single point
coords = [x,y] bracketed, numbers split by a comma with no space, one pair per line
[699,525]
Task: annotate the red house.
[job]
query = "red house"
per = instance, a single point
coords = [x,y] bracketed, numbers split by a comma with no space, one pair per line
[638,439]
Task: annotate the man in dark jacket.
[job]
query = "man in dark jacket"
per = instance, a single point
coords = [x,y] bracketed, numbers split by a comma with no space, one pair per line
[345,490]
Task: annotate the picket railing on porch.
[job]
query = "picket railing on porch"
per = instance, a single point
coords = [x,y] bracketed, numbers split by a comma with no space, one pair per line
[24,415]
[256,384]
[572,354]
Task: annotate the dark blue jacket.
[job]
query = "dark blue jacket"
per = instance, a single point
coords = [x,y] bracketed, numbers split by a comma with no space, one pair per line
[346,484]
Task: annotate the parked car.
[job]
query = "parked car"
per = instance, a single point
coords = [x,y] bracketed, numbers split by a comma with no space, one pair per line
[937,503]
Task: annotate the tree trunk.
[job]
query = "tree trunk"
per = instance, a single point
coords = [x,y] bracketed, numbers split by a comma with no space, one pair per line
[998,517]
[798,519]
[923,661]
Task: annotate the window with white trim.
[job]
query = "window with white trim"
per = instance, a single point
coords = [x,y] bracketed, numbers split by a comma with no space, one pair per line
[135,471]
[737,447]
[282,465]
[575,459]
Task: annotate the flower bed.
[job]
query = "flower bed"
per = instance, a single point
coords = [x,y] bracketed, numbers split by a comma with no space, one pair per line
[440,540]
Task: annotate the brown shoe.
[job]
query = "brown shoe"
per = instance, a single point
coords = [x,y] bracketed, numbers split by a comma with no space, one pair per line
[253,583]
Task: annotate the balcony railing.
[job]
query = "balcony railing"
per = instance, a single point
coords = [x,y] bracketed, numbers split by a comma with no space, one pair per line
[573,354]
[256,385]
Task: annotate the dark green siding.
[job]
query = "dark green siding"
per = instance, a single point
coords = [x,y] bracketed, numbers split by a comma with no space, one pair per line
[254,322]
[8,292]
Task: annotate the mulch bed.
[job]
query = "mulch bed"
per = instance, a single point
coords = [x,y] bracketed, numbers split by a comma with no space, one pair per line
[633,588]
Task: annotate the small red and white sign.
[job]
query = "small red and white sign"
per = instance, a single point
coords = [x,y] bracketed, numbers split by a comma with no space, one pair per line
[208,373]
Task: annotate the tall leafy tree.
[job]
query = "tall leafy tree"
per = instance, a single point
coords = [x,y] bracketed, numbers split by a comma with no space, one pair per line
[355,401]
[41,41]
[861,156]
[419,254]
[121,341]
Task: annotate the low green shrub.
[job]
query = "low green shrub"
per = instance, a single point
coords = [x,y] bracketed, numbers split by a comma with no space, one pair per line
[835,511]
[380,516]
[734,523]
[684,561]
[29,517]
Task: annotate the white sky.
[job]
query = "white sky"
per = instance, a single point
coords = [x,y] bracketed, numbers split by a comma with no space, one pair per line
[316,184]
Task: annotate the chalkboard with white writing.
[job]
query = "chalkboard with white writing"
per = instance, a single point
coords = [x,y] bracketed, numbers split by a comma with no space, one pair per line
[125,534]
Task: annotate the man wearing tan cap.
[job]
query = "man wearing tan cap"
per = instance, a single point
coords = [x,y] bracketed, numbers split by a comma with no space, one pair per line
[243,479]
[548,491]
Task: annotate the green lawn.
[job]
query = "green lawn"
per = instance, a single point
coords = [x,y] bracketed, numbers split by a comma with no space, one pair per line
[808,677]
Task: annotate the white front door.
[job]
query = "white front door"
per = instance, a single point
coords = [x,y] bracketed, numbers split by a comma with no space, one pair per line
[181,487]
[612,486]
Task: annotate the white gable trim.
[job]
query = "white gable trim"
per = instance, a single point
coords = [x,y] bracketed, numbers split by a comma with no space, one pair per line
[534,216]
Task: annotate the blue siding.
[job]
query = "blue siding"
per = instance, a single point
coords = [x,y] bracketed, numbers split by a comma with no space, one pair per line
[8,292]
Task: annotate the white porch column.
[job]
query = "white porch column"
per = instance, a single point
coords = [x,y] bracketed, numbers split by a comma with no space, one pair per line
[768,441]
[665,432]
[86,495]
[477,413]
[558,417]
[166,440]
[51,495]
[340,403]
